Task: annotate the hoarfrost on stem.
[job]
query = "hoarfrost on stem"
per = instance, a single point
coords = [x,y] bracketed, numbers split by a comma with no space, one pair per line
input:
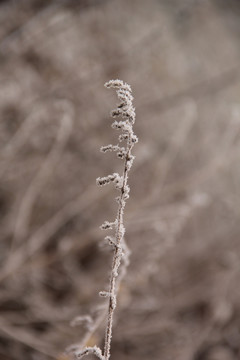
[126,111]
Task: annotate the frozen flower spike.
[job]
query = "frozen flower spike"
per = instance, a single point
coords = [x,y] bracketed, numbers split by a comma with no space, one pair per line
[126,112]
[124,93]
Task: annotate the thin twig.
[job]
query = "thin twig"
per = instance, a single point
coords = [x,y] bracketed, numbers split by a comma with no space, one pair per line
[121,254]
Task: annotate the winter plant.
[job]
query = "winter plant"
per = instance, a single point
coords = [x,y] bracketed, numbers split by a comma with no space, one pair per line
[126,112]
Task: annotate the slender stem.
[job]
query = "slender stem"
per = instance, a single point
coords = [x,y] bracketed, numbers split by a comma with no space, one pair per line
[126,110]
[116,261]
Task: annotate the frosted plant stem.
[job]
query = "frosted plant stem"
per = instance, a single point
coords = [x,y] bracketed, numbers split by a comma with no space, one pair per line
[116,262]
[126,111]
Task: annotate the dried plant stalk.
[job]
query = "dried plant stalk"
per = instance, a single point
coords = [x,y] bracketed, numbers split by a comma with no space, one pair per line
[120,257]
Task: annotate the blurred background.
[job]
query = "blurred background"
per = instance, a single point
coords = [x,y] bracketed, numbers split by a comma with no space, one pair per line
[181,297]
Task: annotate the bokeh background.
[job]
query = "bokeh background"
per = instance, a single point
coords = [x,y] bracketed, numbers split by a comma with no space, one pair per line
[181,297]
